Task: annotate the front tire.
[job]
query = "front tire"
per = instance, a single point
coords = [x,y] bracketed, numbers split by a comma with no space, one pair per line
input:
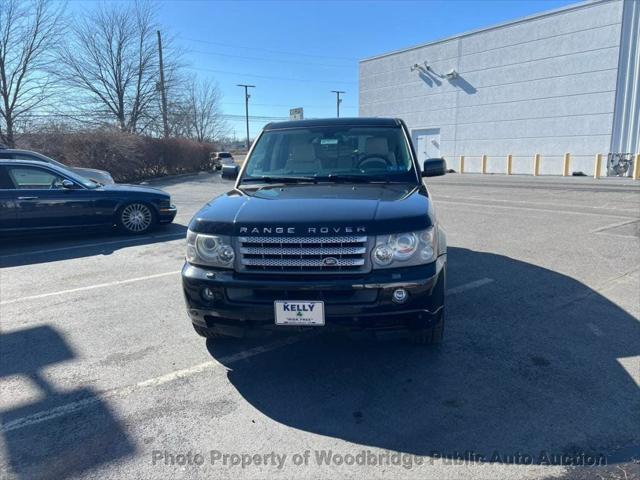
[206,332]
[136,218]
[432,335]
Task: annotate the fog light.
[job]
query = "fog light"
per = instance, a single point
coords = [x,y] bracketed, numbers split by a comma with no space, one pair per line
[207,295]
[400,295]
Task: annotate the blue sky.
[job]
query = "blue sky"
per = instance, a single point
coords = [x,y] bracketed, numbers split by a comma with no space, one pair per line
[296,52]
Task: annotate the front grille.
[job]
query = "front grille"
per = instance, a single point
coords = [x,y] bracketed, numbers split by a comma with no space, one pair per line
[337,254]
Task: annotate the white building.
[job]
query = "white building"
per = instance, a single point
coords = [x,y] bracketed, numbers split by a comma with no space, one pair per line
[567,80]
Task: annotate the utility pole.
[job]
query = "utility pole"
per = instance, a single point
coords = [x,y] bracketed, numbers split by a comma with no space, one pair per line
[163,93]
[338,101]
[246,106]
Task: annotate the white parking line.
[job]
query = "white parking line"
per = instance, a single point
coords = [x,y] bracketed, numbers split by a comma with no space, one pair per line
[489,206]
[469,286]
[97,244]
[524,202]
[603,230]
[90,287]
[62,410]
[451,291]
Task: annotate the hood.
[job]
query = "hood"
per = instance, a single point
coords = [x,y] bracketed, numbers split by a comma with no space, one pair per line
[325,208]
[123,187]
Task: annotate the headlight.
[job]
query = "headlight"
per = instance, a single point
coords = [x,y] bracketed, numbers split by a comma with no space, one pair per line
[211,250]
[404,249]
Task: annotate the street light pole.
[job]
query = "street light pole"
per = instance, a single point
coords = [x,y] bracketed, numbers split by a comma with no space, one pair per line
[246,106]
[338,101]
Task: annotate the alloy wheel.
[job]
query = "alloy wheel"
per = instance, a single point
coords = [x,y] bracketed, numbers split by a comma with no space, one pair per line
[136,217]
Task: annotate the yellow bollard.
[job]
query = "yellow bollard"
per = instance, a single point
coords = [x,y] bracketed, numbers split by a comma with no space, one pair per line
[596,169]
[536,165]
[484,164]
[509,164]
[636,168]
[565,164]
[461,163]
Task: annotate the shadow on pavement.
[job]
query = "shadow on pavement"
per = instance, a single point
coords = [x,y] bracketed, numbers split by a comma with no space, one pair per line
[520,374]
[35,249]
[44,437]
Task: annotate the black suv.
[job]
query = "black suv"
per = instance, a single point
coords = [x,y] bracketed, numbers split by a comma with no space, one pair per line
[329,226]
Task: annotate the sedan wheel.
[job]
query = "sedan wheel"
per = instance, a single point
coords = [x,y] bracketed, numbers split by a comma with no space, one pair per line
[136,218]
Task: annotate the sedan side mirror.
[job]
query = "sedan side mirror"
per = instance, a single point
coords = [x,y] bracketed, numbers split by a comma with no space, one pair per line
[434,167]
[229,171]
[68,184]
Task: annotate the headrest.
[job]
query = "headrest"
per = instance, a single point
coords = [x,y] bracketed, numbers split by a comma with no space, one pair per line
[302,153]
[377,146]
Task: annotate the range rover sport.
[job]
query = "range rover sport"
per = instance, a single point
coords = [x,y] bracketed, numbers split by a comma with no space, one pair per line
[329,226]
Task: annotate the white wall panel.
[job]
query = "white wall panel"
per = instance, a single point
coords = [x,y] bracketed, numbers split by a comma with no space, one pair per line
[541,85]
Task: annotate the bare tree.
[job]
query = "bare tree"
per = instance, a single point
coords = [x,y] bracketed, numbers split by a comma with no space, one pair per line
[29,34]
[204,113]
[112,59]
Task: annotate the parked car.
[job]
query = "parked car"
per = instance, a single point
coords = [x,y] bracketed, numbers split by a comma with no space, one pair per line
[40,196]
[229,171]
[329,226]
[220,159]
[99,176]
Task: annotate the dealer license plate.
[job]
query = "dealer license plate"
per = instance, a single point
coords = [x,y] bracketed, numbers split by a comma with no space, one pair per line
[299,313]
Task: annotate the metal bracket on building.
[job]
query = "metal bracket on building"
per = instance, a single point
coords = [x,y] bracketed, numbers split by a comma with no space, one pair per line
[426,68]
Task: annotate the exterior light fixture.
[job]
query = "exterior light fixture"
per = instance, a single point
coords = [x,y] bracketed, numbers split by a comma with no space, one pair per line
[452,74]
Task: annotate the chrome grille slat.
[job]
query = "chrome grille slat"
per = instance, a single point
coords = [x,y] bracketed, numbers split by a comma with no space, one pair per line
[302,251]
[303,240]
[273,254]
[301,262]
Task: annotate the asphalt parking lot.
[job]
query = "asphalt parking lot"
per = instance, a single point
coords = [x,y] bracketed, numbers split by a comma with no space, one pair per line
[102,375]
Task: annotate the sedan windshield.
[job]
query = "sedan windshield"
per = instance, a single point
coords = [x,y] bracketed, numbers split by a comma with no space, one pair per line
[330,154]
[85,182]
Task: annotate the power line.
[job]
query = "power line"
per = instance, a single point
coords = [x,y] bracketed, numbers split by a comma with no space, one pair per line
[285,106]
[105,115]
[232,116]
[261,59]
[280,52]
[284,79]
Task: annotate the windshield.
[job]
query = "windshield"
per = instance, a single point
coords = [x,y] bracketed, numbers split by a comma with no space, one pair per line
[331,153]
[85,182]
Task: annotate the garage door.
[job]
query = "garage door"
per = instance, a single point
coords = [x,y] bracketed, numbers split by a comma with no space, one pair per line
[427,143]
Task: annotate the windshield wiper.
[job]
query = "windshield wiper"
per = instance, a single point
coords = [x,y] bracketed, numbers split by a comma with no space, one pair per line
[347,178]
[268,179]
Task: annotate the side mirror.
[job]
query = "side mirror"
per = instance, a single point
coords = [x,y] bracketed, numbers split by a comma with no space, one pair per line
[434,167]
[230,171]
[68,184]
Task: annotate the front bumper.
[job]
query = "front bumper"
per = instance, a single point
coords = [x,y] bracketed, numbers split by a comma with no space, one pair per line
[364,302]
[167,214]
